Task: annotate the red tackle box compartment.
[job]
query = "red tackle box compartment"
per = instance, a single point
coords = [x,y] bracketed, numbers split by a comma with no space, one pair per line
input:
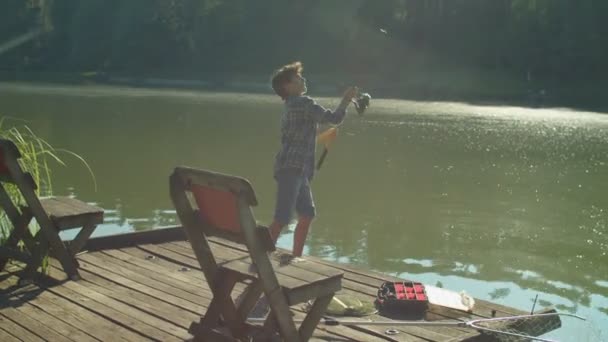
[403,297]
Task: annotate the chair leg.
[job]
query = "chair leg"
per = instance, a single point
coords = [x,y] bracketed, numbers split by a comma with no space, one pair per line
[222,305]
[250,297]
[313,317]
[38,252]
[271,326]
[18,233]
[59,250]
[10,243]
[79,241]
[282,314]
[208,335]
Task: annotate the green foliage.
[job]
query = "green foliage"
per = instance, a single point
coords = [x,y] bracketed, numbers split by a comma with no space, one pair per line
[536,39]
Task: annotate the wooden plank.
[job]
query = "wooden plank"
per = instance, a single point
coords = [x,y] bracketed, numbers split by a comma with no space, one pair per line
[81,318]
[190,262]
[182,285]
[188,283]
[144,302]
[111,314]
[17,330]
[150,288]
[342,333]
[290,277]
[125,314]
[32,325]
[69,212]
[187,260]
[157,235]
[194,275]
[61,206]
[59,326]
[225,254]
[5,336]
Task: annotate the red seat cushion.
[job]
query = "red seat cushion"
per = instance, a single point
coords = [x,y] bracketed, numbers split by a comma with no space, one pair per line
[217,208]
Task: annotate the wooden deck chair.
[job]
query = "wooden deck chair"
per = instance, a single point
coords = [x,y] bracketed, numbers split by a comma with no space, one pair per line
[214,204]
[52,215]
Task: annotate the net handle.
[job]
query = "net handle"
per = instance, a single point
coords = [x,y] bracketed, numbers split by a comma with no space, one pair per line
[473,324]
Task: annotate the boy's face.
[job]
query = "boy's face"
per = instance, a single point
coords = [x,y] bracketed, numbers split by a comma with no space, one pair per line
[297,86]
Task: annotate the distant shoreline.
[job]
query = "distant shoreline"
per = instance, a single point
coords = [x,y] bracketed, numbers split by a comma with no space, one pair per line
[439,87]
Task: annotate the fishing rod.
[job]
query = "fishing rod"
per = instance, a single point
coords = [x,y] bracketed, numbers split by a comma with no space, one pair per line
[327,137]
[499,326]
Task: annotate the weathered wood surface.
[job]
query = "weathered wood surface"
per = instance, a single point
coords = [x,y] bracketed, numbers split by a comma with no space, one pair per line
[69,212]
[153,291]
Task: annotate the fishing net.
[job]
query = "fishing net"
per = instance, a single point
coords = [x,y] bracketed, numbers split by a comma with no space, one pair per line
[512,329]
[550,326]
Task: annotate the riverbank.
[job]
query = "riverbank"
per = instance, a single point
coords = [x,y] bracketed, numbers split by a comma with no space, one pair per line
[437,85]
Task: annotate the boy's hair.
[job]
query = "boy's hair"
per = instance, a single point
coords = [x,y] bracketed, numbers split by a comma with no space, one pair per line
[284,75]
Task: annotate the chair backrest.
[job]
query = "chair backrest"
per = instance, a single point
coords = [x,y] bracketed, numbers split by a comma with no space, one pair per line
[214,204]
[12,172]
[9,166]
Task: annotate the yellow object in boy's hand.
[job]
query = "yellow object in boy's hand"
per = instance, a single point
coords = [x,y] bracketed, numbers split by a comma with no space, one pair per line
[328,136]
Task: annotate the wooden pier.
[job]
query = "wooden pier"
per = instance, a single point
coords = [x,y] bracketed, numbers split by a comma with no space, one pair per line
[147,286]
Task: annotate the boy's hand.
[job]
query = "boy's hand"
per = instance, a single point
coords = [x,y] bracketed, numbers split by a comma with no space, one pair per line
[350,93]
[328,136]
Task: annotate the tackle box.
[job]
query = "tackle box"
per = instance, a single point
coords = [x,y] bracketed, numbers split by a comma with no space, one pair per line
[405,297]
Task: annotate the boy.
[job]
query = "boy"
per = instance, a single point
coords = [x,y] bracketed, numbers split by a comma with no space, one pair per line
[294,163]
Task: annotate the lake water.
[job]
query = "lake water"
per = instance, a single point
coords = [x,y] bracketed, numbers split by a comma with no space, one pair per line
[505,203]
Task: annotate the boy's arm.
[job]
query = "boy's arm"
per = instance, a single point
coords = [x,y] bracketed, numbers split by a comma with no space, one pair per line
[322,115]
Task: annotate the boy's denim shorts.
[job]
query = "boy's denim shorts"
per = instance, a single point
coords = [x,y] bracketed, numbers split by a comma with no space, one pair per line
[293,192]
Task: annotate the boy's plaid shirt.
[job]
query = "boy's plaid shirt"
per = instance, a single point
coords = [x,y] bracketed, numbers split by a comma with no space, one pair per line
[299,132]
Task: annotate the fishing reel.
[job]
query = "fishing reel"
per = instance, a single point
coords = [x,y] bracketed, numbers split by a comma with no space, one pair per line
[362,102]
